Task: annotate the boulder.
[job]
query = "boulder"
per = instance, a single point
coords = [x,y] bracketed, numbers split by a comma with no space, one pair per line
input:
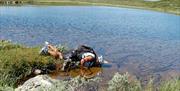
[38,83]
[46,83]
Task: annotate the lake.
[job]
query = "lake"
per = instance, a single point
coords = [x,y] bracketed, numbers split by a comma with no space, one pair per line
[144,43]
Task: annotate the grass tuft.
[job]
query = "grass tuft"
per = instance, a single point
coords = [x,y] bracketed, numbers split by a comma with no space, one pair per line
[17,61]
[172,85]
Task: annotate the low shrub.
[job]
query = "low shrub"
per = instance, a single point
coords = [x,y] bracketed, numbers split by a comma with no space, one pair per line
[172,85]
[123,83]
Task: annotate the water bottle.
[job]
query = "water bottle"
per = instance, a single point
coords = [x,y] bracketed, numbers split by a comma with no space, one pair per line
[100,58]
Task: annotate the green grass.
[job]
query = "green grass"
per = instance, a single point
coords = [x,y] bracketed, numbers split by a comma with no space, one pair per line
[61,3]
[122,82]
[170,6]
[17,61]
[172,85]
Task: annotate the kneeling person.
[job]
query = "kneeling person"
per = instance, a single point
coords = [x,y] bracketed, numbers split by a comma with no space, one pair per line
[84,55]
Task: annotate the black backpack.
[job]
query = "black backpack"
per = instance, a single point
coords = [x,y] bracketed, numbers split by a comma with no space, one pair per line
[76,55]
[83,49]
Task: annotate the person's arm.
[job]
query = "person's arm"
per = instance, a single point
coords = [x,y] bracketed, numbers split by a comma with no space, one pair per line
[83,60]
[86,59]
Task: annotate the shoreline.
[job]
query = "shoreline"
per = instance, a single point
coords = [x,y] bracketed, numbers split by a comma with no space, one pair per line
[80,3]
[14,67]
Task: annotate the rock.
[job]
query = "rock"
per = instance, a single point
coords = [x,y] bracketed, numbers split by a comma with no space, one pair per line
[38,83]
[46,83]
[37,71]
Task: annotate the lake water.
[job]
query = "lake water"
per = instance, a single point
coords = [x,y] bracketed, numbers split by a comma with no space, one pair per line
[145,43]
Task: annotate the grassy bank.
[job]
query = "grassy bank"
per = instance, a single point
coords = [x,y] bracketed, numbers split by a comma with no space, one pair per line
[17,61]
[170,6]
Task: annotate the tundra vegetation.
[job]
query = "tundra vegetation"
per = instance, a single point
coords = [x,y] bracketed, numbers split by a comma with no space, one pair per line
[170,6]
[17,61]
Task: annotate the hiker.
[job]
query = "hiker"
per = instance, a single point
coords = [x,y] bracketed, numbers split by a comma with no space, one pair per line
[84,55]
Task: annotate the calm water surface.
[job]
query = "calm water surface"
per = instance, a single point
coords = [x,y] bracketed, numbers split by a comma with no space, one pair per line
[145,43]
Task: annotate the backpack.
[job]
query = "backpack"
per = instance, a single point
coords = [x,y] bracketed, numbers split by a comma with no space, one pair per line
[83,49]
[76,55]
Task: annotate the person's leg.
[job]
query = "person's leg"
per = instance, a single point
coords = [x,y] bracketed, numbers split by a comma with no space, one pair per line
[53,51]
[60,55]
[52,48]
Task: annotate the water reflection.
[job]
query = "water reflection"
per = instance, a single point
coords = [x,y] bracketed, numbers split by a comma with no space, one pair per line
[87,73]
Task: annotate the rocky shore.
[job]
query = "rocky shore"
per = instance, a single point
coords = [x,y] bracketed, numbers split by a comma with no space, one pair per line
[46,83]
